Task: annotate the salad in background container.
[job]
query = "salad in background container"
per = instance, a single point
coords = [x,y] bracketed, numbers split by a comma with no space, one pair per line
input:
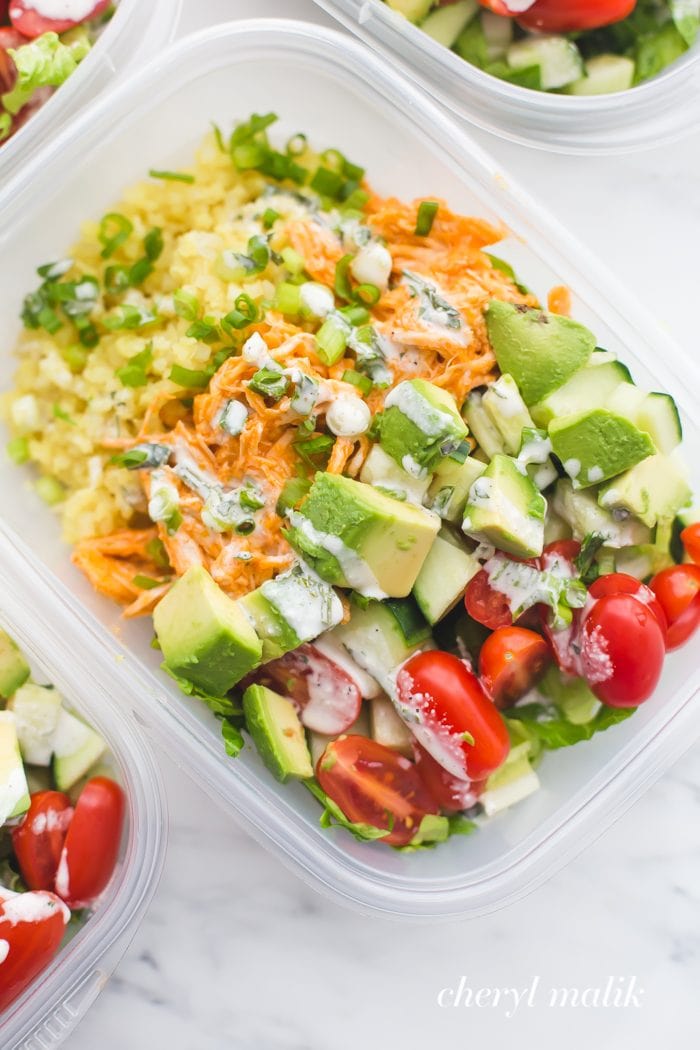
[424,157]
[57,54]
[571,76]
[81,812]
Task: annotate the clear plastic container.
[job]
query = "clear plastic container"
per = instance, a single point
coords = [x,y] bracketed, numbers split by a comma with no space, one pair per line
[33,611]
[659,111]
[135,33]
[410,148]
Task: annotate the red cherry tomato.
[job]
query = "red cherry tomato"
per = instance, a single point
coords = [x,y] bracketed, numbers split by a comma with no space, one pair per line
[327,698]
[38,840]
[451,794]
[511,661]
[690,538]
[27,20]
[485,604]
[91,848]
[565,16]
[451,716]
[621,583]
[678,591]
[31,931]
[374,785]
[9,38]
[559,551]
[622,650]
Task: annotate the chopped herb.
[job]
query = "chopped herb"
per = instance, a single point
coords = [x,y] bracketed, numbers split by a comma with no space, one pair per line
[315,451]
[143,457]
[218,137]
[171,176]
[52,271]
[127,317]
[363,383]
[585,562]
[296,145]
[153,243]
[155,549]
[113,231]
[60,413]
[233,739]
[146,583]
[205,331]
[135,372]
[237,266]
[427,211]
[269,383]
[117,279]
[431,302]
[191,378]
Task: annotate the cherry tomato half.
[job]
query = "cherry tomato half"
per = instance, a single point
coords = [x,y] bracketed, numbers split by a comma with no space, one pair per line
[690,538]
[451,716]
[91,847]
[38,840]
[621,583]
[485,604]
[564,16]
[375,785]
[451,794]
[511,661]
[327,698]
[9,38]
[27,20]
[31,931]
[678,591]
[622,650]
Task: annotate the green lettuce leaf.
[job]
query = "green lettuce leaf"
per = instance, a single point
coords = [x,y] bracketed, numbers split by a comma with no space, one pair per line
[45,62]
[686,18]
[333,816]
[553,731]
[224,706]
[233,738]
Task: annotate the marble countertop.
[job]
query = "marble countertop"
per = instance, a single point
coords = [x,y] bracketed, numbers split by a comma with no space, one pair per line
[237,952]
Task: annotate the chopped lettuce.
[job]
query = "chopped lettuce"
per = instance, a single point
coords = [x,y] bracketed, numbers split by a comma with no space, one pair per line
[44,62]
[554,731]
[686,18]
[5,126]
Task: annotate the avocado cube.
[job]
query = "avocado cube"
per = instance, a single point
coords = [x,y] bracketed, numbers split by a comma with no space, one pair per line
[653,490]
[591,387]
[420,425]
[355,536]
[597,445]
[446,572]
[204,635]
[450,487]
[484,431]
[14,793]
[539,350]
[384,473]
[14,669]
[506,509]
[508,412]
[277,733]
[581,510]
[293,608]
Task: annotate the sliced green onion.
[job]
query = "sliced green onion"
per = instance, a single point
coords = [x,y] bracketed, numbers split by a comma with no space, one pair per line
[341,283]
[245,313]
[127,317]
[155,549]
[186,305]
[18,450]
[296,145]
[50,490]
[249,156]
[355,201]
[270,217]
[153,243]
[75,357]
[269,383]
[218,137]
[49,320]
[117,279]
[171,176]
[331,340]
[147,583]
[288,299]
[250,499]
[427,211]
[368,294]
[293,261]
[327,183]
[114,229]
[334,160]
[135,372]
[205,331]
[313,449]
[245,305]
[52,271]
[353,171]
[190,378]
[60,413]
[89,336]
[244,528]
[355,315]
[140,270]
[145,456]
[235,266]
[363,383]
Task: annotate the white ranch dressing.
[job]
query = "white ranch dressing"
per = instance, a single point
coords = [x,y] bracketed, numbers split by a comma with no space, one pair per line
[32,907]
[304,601]
[411,403]
[4,950]
[356,571]
[369,687]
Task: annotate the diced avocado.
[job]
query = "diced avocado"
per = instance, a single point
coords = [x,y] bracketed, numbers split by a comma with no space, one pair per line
[655,489]
[420,425]
[413,10]
[534,458]
[604,75]
[380,470]
[504,508]
[513,782]
[36,709]
[571,695]
[446,23]
[204,635]
[387,728]
[658,416]
[450,486]
[558,58]
[292,608]
[277,733]
[581,510]
[484,430]
[14,794]
[597,445]
[14,669]
[508,412]
[446,572]
[355,536]
[375,641]
[589,388]
[76,747]
[540,350]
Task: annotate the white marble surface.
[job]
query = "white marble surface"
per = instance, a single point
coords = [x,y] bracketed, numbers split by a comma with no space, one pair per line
[236,952]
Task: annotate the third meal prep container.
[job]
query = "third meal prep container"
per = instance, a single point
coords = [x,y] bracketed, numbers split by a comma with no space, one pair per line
[652,113]
[33,611]
[410,149]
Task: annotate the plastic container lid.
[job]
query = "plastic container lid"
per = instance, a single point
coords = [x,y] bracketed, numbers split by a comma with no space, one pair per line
[658,111]
[135,33]
[410,148]
[33,611]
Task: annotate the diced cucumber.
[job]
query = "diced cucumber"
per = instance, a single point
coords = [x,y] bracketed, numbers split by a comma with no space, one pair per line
[76,747]
[480,424]
[14,669]
[559,59]
[580,508]
[445,573]
[36,709]
[507,411]
[570,694]
[409,619]
[513,782]
[658,415]
[446,23]
[450,486]
[413,10]
[591,387]
[14,793]
[653,490]
[498,33]
[604,75]
[375,641]
[388,728]
[626,400]
[380,470]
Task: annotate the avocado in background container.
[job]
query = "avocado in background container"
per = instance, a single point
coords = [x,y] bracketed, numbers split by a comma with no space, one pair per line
[135,32]
[659,110]
[34,613]
[410,149]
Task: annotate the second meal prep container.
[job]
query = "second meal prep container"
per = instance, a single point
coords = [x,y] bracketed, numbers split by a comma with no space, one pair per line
[34,613]
[410,149]
[652,113]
